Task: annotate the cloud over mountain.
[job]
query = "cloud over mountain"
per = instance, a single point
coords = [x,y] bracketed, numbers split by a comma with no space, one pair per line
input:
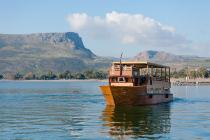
[127,29]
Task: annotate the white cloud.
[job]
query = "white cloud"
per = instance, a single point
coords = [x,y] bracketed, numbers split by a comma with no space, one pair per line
[77,20]
[129,29]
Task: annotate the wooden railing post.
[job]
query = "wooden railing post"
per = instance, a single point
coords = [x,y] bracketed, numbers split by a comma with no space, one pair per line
[156,73]
[169,75]
[147,73]
[165,73]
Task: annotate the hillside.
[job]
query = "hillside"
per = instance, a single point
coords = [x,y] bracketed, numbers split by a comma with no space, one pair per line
[175,61]
[59,52]
[44,52]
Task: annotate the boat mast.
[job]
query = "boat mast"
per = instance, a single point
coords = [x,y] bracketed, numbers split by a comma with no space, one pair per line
[121,64]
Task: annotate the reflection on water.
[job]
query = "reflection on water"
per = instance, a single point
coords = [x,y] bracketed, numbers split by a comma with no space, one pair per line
[137,122]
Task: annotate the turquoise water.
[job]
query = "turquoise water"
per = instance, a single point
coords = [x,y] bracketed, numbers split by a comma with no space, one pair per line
[76,110]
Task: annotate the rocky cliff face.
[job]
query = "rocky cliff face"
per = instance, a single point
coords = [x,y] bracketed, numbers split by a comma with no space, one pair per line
[42,52]
[45,45]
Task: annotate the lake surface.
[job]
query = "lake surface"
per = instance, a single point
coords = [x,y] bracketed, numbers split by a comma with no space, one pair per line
[77,110]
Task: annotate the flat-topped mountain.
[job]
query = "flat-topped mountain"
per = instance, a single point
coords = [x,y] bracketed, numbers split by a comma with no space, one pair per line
[44,45]
[42,52]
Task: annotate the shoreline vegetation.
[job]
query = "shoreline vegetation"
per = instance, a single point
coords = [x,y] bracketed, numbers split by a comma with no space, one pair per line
[191,76]
[185,76]
[67,75]
[174,81]
[190,82]
[60,80]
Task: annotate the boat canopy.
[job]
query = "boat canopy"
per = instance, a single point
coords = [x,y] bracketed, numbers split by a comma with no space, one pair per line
[141,64]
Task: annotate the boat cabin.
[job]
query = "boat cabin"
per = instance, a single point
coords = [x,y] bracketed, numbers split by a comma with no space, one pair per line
[138,74]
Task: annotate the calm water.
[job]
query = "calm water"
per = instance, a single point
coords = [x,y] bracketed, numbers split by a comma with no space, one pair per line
[76,110]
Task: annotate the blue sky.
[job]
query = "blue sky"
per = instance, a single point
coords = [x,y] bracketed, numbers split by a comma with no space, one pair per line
[190,20]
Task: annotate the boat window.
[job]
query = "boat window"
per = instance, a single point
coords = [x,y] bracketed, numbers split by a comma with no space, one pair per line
[150,95]
[121,79]
[136,80]
[142,79]
[126,79]
[113,79]
[143,71]
[135,73]
[150,79]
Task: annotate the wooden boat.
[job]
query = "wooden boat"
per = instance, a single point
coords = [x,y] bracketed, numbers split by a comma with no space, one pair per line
[137,83]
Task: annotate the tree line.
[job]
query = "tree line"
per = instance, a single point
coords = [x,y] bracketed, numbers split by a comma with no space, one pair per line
[201,72]
[89,74]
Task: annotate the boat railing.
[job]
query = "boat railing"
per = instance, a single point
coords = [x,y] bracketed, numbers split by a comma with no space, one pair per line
[115,71]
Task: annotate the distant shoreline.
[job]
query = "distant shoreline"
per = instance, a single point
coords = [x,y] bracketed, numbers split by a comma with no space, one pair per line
[190,82]
[174,81]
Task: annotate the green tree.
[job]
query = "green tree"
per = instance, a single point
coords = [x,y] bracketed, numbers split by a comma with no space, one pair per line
[182,73]
[100,75]
[89,74]
[29,76]
[174,74]
[61,76]
[193,74]
[67,75]
[18,76]
[1,76]
[79,76]
[51,76]
[202,72]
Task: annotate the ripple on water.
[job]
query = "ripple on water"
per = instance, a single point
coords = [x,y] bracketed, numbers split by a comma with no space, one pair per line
[76,110]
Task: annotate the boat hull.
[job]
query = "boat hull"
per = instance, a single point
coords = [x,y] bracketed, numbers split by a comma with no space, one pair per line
[136,95]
